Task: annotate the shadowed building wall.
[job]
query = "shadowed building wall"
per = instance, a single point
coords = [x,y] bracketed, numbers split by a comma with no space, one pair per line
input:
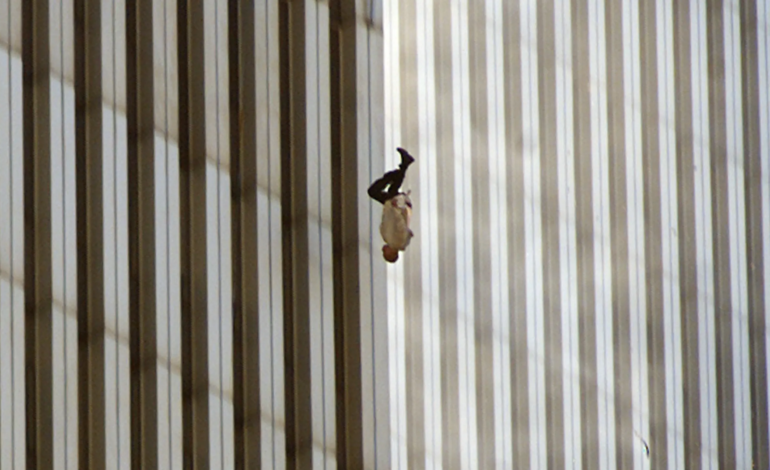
[186,278]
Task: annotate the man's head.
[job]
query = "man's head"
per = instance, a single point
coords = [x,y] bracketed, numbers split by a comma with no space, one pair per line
[389,253]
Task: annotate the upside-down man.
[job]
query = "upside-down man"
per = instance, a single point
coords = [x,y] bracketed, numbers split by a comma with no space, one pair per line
[396,208]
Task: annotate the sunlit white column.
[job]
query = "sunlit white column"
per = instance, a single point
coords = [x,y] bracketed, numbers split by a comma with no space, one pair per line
[466,351]
[167,236]
[319,234]
[12,387]
[601,239]
[117,374]
[498,231]
[669,235]
[428,213]
[168,303]
[636,232]
[704,237]
[64,236]
[218,236]
[533,234]
[568,254]
[395,272]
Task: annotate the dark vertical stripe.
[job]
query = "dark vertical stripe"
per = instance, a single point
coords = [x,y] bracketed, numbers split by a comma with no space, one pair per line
[520,412]
[284,54]
[339,266]
[688,272]
[447,236]
[652,241]
[345,69]
[89,220]
[192,186]
[141,235]
[482,264]
[37,233]
[550,220]
[720,217]
[621,330]
[752,162]
[243,193]
[415,381]
[294,202]
[589,413]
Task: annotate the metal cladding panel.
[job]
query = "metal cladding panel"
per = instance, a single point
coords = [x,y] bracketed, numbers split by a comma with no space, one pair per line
[190,268]
[601,233]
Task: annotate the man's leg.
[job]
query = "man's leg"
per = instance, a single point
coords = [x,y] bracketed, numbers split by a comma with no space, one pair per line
[381,189]
[388,186]
[400,174]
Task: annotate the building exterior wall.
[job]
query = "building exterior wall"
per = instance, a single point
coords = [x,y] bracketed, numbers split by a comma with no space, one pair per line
[186,278]
[587,285]
[190,272]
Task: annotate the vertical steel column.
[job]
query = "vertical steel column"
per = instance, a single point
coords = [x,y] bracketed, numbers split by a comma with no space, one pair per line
[653,244]
[754,237]
[481,147]
[520,413]
[90,234]
[243,190]
[192,186]
[688,262]
[410,139]
[347,309]
[449,278]
[721,245]
[584,227]
[552,263]
[353,297]
[619,150]
[37,234]
[299,430]
[141,235]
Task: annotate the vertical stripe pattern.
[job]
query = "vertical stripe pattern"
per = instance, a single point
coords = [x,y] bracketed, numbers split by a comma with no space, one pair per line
[637,295]
[614,265]
[191,270]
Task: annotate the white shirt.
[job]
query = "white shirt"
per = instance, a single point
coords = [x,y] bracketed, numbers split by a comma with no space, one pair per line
[394,228]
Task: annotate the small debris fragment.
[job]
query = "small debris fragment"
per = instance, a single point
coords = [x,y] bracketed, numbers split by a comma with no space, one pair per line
[644,443]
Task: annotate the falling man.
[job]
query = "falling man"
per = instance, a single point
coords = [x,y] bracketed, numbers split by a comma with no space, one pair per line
[396,208]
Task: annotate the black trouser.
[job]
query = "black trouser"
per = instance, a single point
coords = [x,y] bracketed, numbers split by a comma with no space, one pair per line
[388,186]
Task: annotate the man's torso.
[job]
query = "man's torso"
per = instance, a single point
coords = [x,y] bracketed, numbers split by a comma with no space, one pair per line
[396,215]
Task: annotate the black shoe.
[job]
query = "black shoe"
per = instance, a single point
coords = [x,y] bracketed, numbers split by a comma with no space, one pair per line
[406,159]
